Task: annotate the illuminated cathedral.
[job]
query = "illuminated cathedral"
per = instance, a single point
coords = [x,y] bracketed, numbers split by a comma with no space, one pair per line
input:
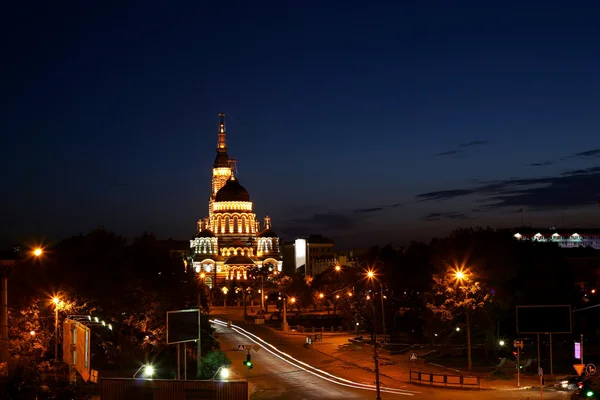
[230,239]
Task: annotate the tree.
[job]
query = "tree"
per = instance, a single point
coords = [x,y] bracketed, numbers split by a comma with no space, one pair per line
[455,292]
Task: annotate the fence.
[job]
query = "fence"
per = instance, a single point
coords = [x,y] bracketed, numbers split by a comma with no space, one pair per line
[426,378]
[141,389]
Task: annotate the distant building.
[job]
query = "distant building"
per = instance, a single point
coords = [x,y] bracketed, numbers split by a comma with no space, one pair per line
[565,238]
[309,256]
[230,239]
[176,248]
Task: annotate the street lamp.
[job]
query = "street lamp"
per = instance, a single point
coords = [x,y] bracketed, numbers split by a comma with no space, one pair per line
[224,373]
[338,268]
[371,277]
[460,276]
[57,303]
[5,269]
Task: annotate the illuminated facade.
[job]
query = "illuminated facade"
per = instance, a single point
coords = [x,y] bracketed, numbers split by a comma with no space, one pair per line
[230,239]
[312,255]
[570,238]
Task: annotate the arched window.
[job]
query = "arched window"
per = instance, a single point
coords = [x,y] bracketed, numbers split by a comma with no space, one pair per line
[208,282]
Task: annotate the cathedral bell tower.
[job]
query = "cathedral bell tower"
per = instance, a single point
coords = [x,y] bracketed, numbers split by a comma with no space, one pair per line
[222,166]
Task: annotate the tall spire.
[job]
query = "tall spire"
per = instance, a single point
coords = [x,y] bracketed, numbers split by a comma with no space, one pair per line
[221,159]
[232,165]
[222,145]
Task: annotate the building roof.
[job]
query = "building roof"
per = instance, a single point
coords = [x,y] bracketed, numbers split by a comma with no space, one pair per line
[561,231]
[205,233]
[268,233]
[232,191]
[222,159]
[239,260]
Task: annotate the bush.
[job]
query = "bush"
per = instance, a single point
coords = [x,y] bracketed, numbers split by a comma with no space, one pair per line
[212,362]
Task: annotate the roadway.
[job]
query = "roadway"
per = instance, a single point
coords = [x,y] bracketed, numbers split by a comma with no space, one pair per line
[282,371]
[275,376]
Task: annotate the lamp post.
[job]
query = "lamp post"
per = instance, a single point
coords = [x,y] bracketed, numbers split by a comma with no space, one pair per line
[56,302]
[460,276]
[5,270]
[371,277]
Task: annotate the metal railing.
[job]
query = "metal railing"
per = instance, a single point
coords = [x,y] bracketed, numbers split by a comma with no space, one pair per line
[427,378]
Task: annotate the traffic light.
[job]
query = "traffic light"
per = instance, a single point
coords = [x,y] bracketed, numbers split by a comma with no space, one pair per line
[248,362]
[589,393]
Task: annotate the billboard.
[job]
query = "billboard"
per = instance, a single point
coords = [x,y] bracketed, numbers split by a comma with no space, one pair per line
[183,326]
[76,348]
[544,319]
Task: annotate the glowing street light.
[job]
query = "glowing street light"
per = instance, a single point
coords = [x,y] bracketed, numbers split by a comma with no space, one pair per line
[224,373]
[338,268]
[56,300]
[501,343]
[293,299]
[321,295]
[38,251]
[370,274]
[32,333]
[459,275]
[202,275]
[149,371]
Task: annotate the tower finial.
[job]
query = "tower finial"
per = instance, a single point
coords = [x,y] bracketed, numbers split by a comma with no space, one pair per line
[232,165]
[267,222]
[222,144]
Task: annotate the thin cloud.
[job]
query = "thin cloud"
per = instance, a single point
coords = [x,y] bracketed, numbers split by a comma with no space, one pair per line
[447,153]
[461,148]
[541,164]
[569,189]
[368,210]
[474,143]
[582,155]
[587,154]
[444,215]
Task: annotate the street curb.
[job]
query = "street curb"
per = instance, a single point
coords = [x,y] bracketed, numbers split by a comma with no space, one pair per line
[464,388]
[325,334]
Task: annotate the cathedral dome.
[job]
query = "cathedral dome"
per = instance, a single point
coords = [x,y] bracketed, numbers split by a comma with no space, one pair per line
[205,233]
[232,191]
[268,233]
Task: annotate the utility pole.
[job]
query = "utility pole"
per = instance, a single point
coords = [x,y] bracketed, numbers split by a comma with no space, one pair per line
[262,294]
[382,312]
[581,347]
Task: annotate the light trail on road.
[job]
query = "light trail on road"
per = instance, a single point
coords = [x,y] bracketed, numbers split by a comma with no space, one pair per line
[309,368]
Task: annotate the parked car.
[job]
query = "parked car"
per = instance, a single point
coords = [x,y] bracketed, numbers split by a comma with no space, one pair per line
[572,383]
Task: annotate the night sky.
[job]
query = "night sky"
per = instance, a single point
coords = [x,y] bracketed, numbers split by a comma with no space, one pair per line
[363,121]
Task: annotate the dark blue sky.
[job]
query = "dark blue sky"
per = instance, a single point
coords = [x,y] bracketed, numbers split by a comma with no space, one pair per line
[378,120]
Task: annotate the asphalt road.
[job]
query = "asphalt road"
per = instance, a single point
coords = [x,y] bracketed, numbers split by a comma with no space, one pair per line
[275,378]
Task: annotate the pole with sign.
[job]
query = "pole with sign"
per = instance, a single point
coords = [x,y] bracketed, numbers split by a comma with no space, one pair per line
[519,345]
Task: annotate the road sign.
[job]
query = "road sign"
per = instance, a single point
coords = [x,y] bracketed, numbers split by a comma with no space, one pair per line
[579,368]
[577,350]
[590,369]
[413,357]
[249,347]
[241,347]
[518,344]
[540,371]
[256,348]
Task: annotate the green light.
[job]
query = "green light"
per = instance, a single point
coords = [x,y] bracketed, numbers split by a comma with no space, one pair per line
[589,393]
